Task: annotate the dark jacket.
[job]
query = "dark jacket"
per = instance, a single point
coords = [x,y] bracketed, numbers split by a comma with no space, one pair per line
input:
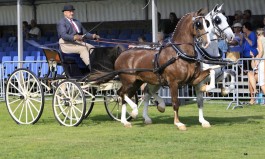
[67,32]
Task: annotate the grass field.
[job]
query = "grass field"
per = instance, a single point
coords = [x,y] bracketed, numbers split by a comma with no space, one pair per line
[238,133]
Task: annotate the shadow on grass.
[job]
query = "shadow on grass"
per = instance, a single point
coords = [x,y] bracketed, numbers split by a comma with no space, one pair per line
[194,120]
[163,119]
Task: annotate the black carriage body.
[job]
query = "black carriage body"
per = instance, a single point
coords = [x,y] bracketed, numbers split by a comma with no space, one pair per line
[101,59]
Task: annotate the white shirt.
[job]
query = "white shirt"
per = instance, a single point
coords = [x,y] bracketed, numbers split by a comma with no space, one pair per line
[35,31]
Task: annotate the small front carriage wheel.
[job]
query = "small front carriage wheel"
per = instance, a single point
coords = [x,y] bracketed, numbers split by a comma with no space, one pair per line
[69,103]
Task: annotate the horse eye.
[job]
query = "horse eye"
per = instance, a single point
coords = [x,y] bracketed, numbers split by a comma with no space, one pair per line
[217,20]
[207,23]
[198,24]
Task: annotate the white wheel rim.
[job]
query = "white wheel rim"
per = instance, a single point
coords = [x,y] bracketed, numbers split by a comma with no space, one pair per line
[24,97]
[114,106]
[68,104]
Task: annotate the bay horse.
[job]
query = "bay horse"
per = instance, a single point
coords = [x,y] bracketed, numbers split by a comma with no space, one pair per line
[173,65]
[217,25]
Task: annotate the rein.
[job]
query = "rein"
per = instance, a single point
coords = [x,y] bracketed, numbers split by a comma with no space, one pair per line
[124,71]
[220,32]
[206,55]
[109,42]
[118,41]
[209,59]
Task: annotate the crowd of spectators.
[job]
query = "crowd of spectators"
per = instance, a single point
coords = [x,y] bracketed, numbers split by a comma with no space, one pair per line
[249,42]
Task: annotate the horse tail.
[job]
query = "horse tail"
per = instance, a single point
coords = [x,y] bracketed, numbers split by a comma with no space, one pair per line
[100,77]
[108,73]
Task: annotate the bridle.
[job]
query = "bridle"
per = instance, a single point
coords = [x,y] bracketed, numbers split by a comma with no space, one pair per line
[198,26]
[216,21]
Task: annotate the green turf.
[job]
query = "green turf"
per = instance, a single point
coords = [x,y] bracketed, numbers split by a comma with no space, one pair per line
[234,134]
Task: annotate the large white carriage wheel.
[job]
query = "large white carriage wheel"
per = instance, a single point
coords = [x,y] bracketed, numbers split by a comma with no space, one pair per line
[24,97]
[113,105]
[69,103]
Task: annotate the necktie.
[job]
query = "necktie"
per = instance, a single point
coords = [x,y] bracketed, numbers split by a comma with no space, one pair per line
[71,21]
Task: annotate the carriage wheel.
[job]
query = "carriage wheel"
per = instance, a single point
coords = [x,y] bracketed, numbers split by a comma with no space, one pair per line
[69,103]
[24,97]
[113,105]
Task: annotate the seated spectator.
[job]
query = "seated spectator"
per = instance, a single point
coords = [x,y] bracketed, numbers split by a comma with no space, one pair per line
[258,73]
[247,17]
[238,17]
[235,44]
[34,32]
[12,39]
[160,38]
[170,25]
[159,22]
[249,44]
[26,28]
[141,41]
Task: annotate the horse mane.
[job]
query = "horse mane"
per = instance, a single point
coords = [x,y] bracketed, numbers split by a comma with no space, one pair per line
[178,24]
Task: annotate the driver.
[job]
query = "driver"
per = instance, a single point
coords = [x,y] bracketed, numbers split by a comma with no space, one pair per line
[71,35]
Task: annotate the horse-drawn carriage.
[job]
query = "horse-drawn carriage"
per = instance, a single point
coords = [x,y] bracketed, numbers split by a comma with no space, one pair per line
[73,95]
[174,64]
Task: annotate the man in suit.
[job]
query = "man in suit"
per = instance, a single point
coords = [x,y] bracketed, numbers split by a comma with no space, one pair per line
[71,34]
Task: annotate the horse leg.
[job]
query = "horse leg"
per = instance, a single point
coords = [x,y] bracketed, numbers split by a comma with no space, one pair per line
[122,92]
[175,104]
[231,87]
[150,90]
[134,112]
[206,88]
[161,103]
[199,95]
[146,98]
[201,77]
[123,116]
[131,92]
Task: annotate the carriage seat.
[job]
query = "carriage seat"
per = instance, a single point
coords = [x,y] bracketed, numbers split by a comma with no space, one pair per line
[72,64]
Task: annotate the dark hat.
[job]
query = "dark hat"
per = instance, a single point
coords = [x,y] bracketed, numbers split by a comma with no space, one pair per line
[68,8]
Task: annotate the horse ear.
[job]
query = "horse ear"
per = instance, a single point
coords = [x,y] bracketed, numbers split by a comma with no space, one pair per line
[215,8]
[201,12]
[220,8]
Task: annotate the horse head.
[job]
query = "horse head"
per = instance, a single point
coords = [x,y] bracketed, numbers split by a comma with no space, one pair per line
[191,27]
[200,27]
[217,24]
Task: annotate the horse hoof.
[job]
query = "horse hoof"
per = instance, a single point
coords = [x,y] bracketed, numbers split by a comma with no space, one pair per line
[160,109]
[206,125]
[182,128]
[224,91]
[203,88]
[134,114]
[127,125]
[147,122]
